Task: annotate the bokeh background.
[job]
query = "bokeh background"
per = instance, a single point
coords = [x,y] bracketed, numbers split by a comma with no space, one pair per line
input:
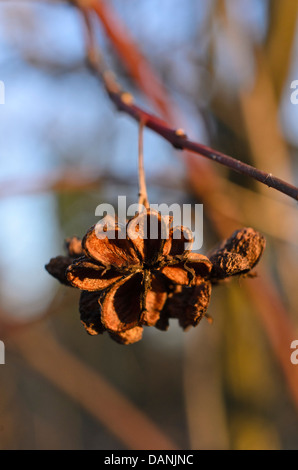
[227,66]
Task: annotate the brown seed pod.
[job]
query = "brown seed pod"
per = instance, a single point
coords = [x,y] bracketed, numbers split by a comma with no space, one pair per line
[137,280]
[74,247]
[187,304]
[57,268]
[90,313]
[238,254]
[133,274]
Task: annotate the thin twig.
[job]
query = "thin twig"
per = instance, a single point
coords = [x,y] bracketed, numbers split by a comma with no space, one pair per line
[179,140]
[143,197]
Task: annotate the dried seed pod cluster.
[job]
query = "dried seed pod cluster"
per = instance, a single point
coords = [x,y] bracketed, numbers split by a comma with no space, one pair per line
[130,280]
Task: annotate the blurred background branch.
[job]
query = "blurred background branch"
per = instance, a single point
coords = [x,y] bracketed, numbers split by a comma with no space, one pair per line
[116,413]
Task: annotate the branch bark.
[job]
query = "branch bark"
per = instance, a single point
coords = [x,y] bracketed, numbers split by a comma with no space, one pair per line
[177,137]
[180,141]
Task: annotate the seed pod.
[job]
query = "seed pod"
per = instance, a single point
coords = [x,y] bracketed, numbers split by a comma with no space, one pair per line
[237,255]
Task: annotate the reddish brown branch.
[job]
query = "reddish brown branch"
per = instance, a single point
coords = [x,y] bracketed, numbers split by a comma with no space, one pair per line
[178,139]
[137,66]
[182,142]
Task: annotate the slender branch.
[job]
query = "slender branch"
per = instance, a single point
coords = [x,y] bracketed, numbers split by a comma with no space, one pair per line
[180,141]
[177,137]
[143,198]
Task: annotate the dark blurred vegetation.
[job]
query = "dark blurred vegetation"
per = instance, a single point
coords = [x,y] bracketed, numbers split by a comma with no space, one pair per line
[64,149]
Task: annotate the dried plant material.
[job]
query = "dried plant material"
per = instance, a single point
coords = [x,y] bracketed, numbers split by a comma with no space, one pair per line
[238,254]
[90,313]
[89,276]
[103,249]
[134,272]
[129,336]
[138,280]
[74,247]
[187,304]
[57,266]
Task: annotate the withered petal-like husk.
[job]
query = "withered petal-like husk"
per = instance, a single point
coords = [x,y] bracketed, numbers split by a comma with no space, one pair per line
[180,241]
[229,264]
[148,232]
[90,313]
[57,268]
[238,254]
[200,265]
[154,300]
[188,304]
[128,337]
[190,271]
[74,247]
[177,274]
[121,305]
[115,252]
[86,275]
